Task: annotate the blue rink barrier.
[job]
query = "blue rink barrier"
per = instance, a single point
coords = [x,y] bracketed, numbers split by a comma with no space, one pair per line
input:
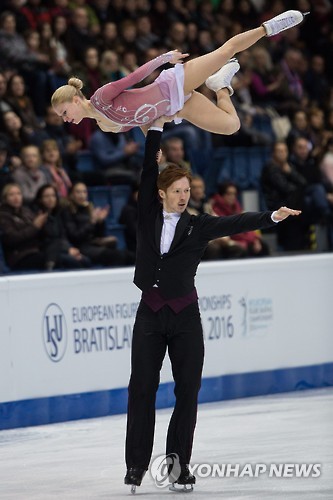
[54,409]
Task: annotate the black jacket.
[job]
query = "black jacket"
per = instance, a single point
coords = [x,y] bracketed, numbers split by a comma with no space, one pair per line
[174,271]
[18,234]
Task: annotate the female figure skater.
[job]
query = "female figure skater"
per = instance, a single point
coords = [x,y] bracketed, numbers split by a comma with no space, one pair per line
[116,109]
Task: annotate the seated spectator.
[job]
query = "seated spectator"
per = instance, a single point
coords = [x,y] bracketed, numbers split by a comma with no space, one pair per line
[21,103]
[30,176]
[299,128]
[36,13]
[145,38]
[220,248]
[79,35]
[85,227]
[291,66]
[326,169]
[110,68]
[93,22]
[52,166]
[316,82]
[20,229]
[129,63]
[268,83]
[226,203]
[17,57]
[116,155]
[108,39]
[198,203]
[4,104]
[5,167]
[15,53]
[16,134]
[58,252]
[317,208]
[318,133]
[282,185]
[88,70]
[127,36]
[60,68]
[129,217]
[173,150]
[56,129]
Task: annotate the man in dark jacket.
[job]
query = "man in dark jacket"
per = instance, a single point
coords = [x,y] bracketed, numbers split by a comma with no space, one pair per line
[170,245]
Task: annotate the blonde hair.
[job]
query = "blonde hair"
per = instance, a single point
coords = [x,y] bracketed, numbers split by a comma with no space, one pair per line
[48,144]
[6,189]
[65,93]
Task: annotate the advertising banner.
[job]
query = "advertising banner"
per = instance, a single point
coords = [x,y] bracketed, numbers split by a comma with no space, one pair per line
[69,333]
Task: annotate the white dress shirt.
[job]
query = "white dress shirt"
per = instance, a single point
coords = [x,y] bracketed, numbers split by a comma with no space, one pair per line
[168,230]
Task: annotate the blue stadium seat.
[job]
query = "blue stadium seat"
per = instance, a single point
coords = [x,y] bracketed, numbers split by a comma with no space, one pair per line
[118,199]
[115,197]
[241,167]
[257,159]
[100,196]
[223,163]
[85,162]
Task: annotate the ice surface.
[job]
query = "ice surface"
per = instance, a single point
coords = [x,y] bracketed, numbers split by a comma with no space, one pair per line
[85,459]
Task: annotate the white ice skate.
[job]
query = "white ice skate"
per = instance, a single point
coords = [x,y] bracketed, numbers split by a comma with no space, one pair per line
[222,78]
[184,488]
[283,21]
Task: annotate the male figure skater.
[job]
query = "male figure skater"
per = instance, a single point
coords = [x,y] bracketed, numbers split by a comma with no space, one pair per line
[170,244]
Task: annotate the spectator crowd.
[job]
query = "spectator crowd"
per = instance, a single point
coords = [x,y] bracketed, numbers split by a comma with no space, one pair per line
[283,95]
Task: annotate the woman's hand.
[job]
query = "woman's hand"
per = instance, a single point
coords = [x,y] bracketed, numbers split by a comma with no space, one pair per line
[284,212]
[177,57]
[75,252]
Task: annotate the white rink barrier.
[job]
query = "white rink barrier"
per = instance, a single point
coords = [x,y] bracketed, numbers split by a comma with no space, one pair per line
[66,337]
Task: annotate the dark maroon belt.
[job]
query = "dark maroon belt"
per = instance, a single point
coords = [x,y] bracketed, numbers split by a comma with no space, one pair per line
[155,301]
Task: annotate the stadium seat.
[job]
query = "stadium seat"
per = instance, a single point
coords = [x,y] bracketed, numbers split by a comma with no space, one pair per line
[85,162]
[119,196]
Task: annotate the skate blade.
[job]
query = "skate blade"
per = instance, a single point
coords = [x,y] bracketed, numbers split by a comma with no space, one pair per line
[133,489]
[181,488]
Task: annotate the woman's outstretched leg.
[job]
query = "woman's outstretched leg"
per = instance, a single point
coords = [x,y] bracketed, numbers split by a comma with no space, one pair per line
[222,118]
[199,69]
[196,71]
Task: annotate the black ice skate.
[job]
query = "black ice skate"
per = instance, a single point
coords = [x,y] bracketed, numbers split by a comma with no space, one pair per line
[134,476]
[185,482]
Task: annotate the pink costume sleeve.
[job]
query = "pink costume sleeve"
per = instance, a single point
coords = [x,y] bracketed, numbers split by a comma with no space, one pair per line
[111,90]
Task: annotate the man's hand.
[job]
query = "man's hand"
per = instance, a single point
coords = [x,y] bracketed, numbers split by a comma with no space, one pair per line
[159,122]
[284,212]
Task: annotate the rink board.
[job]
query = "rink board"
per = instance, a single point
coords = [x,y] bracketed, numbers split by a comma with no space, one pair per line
[66,337]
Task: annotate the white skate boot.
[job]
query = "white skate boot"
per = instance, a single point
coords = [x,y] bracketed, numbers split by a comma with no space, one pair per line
[283,21]
[222,78]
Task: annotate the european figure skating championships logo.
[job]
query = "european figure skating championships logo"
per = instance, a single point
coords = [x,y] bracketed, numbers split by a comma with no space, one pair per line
[54,332]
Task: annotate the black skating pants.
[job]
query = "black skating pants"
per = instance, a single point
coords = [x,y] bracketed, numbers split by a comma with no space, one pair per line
[154,333]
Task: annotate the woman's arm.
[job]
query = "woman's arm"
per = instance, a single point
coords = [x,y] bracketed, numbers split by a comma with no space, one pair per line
[111,90]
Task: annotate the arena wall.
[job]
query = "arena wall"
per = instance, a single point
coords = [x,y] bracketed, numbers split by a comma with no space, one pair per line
[66,337]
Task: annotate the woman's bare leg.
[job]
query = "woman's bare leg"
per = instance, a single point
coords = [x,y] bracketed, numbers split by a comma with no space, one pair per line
[220,119]
[199,69]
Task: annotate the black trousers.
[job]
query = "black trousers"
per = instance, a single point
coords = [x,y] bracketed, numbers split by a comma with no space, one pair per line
[154,333]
